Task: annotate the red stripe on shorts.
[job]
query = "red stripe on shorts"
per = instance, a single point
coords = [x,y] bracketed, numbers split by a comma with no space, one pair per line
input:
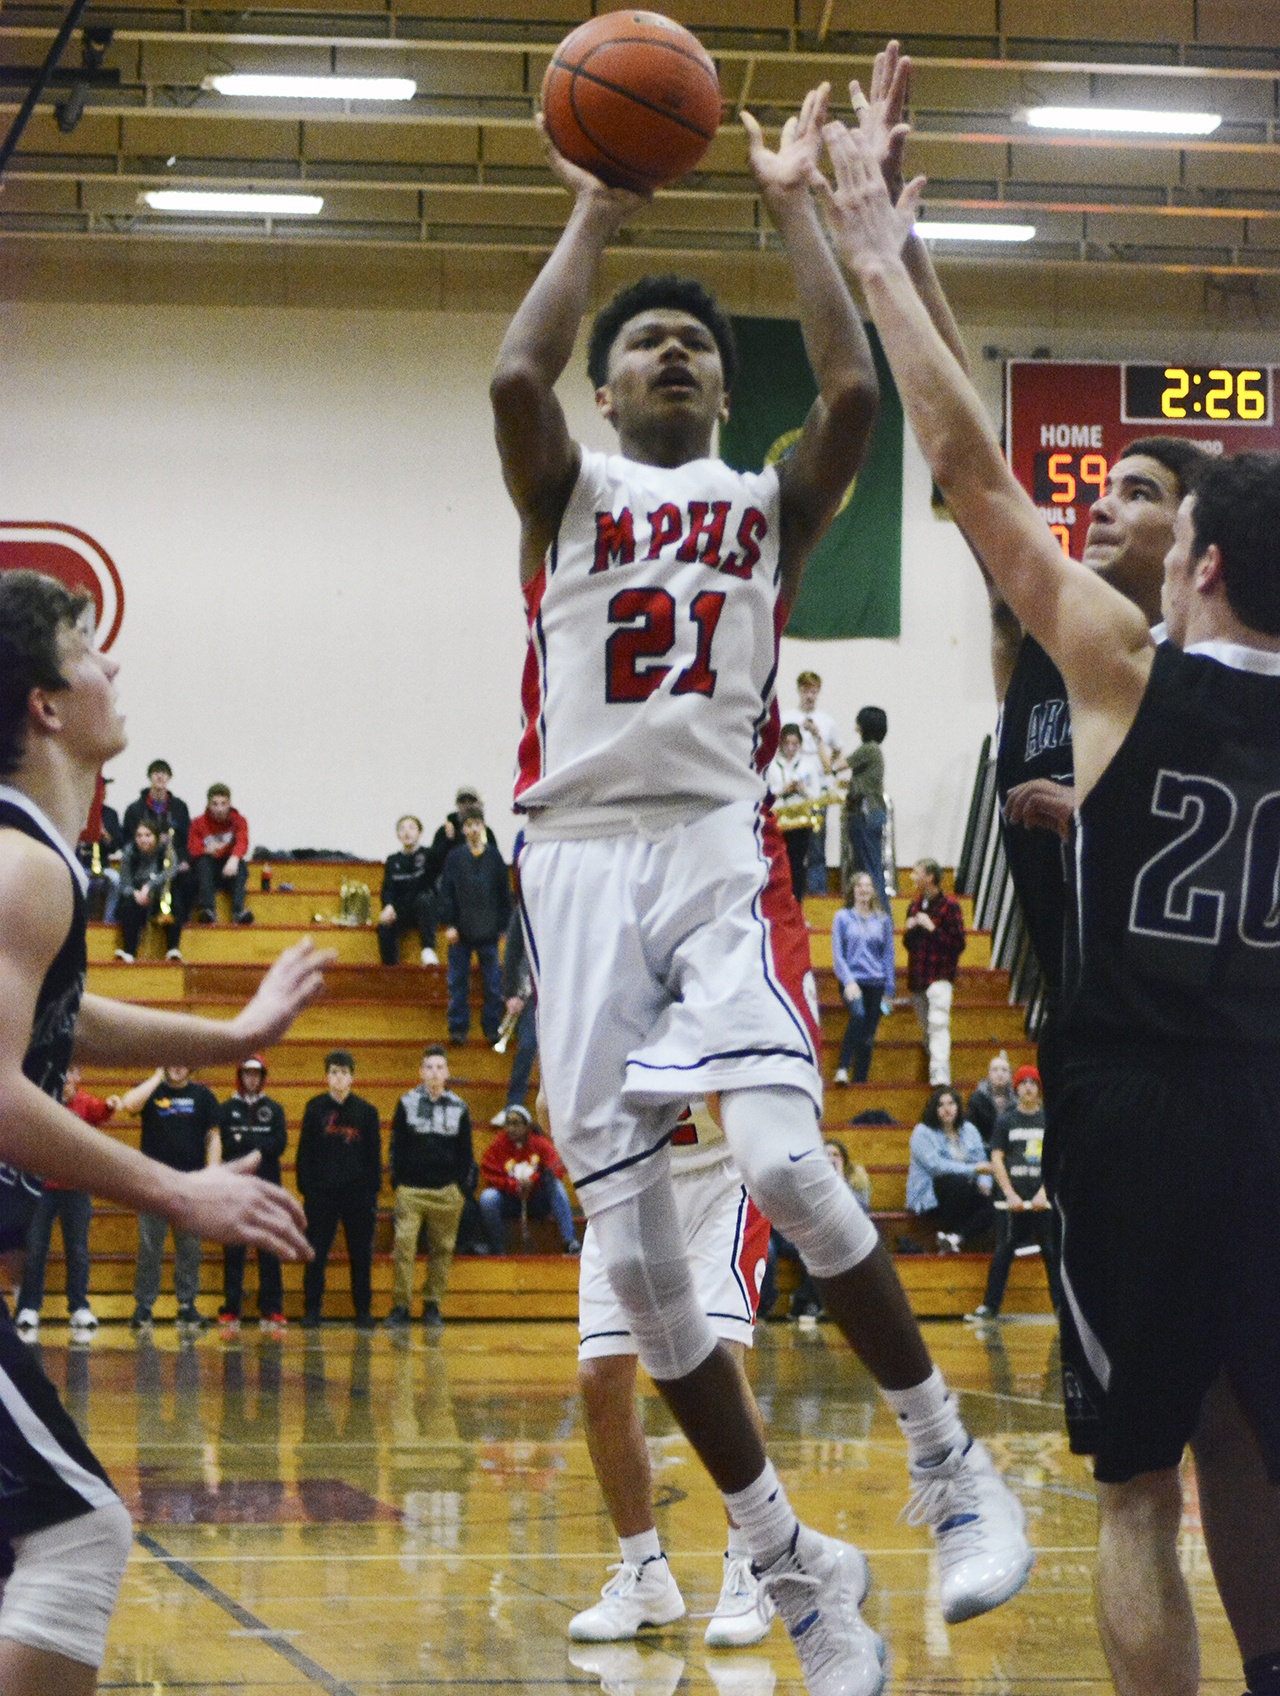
[788,933]
[755,1250]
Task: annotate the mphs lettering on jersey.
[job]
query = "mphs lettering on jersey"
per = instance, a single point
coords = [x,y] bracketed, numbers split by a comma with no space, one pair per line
[700,534]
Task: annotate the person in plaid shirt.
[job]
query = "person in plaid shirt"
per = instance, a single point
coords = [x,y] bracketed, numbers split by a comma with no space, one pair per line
[934,939]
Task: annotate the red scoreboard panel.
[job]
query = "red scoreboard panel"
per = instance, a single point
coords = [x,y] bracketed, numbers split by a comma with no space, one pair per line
[1069,422]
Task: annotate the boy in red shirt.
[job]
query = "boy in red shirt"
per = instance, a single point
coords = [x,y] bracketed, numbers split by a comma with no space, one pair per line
[523,1177]
[219,847]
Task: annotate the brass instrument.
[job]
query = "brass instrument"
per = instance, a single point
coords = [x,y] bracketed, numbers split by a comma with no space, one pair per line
[95,857]
[793,812]
[356,903]
[168,867]
[505,1029]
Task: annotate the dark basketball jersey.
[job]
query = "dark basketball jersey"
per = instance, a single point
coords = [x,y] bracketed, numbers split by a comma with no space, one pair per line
[1178,864]
[53,1028]
[1035,741]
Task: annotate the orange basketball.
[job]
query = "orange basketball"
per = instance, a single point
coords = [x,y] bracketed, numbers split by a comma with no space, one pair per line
[633,98]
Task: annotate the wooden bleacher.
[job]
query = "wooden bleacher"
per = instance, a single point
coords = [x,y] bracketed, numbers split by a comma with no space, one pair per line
[386,1014]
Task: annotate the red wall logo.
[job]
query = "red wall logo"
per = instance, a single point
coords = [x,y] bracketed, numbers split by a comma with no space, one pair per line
[74,559]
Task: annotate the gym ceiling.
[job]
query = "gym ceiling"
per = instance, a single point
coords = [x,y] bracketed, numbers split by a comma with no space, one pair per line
[459,167]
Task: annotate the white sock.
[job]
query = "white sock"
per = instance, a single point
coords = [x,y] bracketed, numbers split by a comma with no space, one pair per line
[644,1546]
[930,1419]
[737,1548]
[763,1515]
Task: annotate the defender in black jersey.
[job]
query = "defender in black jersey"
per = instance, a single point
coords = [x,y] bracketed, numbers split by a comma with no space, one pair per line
[1169,1177]
[64,1534]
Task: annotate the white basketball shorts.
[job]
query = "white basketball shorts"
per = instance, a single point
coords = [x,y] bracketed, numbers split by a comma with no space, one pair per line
[667,966]
[727,1239]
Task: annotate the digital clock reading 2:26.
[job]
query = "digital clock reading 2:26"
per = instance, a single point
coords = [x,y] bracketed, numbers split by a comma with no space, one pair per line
[1156,394]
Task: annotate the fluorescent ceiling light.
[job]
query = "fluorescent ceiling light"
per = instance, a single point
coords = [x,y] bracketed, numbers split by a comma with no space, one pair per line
[974,232]
[314,88]
[254,205]
[1122,121]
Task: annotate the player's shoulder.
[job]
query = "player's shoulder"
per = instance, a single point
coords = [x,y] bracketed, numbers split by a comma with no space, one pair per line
[36,899]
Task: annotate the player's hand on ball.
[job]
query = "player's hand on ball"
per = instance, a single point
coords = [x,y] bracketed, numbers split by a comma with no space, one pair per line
[794,166]
[227,1204]
[880,117]
[584,186]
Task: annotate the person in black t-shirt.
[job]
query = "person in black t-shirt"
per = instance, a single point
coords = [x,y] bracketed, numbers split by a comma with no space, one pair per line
[1017,1146]
[408,901]
[339,1176]
[251,1123]
[179,1129]
[475,904]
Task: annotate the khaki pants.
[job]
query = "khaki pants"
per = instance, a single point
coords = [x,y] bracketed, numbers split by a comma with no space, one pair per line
[933,1010]
[442,1210]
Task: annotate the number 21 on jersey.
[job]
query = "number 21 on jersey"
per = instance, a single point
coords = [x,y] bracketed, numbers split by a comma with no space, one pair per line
[647,622]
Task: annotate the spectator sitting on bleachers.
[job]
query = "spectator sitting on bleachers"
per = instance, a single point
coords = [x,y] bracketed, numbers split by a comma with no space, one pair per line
[104,833]
[179,1129]
[431,1171]
[862,955]
[170,818]
[949,1178]
[523,1179]
[934,939]
[992,1097]
[1026,1218]
[795,780]
[408,899]
[147,874]
[252,1123]
[218,843]
[75,1211]
[475,904]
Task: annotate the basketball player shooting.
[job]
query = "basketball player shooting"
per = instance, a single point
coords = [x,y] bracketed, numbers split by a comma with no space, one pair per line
[64,1533]
[670,955]
[1168,1183]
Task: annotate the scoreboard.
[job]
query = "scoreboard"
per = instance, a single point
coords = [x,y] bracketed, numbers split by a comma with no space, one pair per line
[1068,422]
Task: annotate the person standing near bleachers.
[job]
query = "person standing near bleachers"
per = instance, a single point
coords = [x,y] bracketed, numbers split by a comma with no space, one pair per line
[521,998]
[862,955]
[475,904]
[934,939]
[252,1123]
[431,1171]
[339,1175]
[179,1129]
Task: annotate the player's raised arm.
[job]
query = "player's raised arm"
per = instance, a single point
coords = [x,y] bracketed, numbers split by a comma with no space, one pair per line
[539,458]
[1098,639]
[834,441]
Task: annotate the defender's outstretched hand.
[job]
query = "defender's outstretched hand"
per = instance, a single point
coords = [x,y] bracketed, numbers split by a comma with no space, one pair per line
[793,167]
[583,185]
[226,1204]
[294,982]
[866,228]
[880,117]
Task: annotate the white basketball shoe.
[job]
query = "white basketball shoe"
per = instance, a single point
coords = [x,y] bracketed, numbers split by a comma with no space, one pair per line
[980,1529]
[818,1586]
[743,1615]
[636,1596]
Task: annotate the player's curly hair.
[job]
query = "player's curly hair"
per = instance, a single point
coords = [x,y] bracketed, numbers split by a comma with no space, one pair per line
[1237,505]
[681,293]
[33,610]
[1186,460]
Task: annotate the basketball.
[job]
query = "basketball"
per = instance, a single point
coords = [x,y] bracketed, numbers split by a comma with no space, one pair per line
[633,98]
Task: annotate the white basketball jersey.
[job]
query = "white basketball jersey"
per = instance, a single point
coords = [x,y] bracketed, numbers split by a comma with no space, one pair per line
[653,641]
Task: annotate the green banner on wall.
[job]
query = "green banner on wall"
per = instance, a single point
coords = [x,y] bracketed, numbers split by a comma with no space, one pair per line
[853,581]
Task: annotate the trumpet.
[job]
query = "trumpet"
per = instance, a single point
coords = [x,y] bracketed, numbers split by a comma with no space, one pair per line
[505,1029]
[168,866]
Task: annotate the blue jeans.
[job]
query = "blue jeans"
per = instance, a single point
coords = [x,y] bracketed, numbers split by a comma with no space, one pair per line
[866,838]
[75,1209]
[860,1032]
[525,1055]
[460,988]
[817,872]
[548,1196]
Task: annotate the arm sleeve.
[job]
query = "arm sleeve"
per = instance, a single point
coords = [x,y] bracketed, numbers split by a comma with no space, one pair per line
[513,957]
[953,926]
[925,1152]
[384,897]
[279,1132]
[195,838]
[547,1151]
[306,1145]
[398,1124]
[839,940]
[466,1153]
[502,886]
[96,1111]
[448,899]
[493,1171]
[1000,1135]
[372,1139]
[240,845]
[181,826]
[890,970]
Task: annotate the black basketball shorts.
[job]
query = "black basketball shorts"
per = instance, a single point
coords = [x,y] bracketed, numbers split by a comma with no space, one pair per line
[1168,1187]
[48,1474]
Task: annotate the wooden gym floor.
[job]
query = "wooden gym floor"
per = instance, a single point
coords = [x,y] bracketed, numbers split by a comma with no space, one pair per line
[398,1513]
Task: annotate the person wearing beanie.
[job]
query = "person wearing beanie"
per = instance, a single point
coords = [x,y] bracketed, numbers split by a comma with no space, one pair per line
[1025,1218]
[252,1123]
